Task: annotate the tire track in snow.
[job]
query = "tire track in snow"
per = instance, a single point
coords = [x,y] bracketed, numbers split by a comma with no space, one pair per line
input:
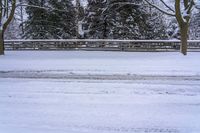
[69,75]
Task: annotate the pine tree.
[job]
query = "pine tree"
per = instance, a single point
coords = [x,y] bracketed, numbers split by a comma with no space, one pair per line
[155,26]
[63,20]
[54,21]
[195,26]
[123,19]
[126,21]
[96,19]
[36,26]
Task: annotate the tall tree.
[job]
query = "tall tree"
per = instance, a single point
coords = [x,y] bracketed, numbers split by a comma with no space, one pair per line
[62,18]
[96,20]
[7,11]
[130,20]
[54,21]
[182,12]
[126,20]
[155,25]
[37,25]
[79,19]
[123,19]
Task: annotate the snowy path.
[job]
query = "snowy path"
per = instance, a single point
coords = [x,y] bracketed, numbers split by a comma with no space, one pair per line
[107,93]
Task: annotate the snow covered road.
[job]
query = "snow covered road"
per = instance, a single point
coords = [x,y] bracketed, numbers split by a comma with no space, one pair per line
[99,92]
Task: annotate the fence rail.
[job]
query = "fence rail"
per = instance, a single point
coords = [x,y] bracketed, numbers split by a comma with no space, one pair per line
[100,44]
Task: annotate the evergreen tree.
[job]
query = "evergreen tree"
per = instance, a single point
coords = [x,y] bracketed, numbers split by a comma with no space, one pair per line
[126,21]
[96,19]
[36,26]
[79,19]
[123,19]
[195,26]
[62,18]
[155,26]
[56,20]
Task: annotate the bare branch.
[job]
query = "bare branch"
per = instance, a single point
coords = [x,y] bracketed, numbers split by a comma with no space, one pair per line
[185,3]
[10,17]
[167,6]
[124,3]
[40,7]
[161,10]
[190,6]
[178,12]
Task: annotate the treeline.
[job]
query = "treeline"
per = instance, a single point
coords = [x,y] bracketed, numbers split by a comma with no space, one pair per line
[100,19]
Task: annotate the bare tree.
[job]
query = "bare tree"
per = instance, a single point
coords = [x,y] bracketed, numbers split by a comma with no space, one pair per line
[182,12]
[7,11]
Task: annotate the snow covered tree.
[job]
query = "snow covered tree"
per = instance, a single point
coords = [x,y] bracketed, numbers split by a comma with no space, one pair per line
[123,19]
[62,19]
[195,26]
[155,25]
[21,13]
[37,25]
[79,19]
[182,12]
[173,30]
[96,19]
[13,31]
[6,15]
[55,20]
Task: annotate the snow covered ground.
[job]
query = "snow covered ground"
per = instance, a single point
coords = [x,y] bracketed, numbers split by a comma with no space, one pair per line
[99,92]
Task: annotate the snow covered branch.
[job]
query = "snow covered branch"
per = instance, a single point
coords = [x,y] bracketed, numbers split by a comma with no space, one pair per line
[160,9]
[40,7]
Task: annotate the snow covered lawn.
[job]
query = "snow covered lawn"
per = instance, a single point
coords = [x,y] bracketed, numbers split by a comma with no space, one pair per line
[99,92]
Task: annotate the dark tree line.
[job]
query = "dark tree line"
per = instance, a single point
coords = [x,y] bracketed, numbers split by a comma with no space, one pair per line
[101,19]
[120,19]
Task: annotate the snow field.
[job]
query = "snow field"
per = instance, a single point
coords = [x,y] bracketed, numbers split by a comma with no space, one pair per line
[99,105]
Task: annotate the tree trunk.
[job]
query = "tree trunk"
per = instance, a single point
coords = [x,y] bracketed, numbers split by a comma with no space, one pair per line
[1,43]
[184,38]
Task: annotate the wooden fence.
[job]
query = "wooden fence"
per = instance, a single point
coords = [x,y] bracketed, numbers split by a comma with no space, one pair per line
[100,44]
